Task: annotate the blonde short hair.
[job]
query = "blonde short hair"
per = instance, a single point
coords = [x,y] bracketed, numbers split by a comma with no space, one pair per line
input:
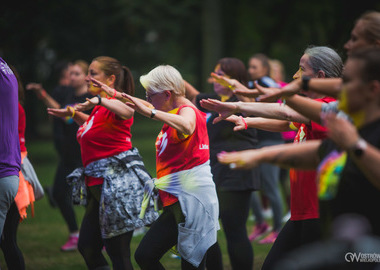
[163,78]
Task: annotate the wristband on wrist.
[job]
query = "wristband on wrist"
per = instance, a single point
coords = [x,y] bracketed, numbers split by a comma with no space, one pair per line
[153,113]
[245,123]
[114,94]
[72,116]
[71,109]
[99,99]
[42,94]
[359,147]
[305,83]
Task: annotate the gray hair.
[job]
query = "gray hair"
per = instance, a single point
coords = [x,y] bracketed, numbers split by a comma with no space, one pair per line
[163,78]
[322,58]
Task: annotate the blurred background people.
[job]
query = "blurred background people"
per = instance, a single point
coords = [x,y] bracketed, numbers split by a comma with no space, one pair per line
[259,71]
[72,90]
[234,189]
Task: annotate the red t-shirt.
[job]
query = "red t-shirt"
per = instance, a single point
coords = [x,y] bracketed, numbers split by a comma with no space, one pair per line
[174,154]
[303,186]
[103,135]
[21,127]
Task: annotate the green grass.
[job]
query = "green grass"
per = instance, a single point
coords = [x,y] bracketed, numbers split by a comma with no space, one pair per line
[40,237]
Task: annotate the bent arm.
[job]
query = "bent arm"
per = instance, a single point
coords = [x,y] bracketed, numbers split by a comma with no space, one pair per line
[184,122]
[117,107]
[368,163]
[43,95]
[327,86]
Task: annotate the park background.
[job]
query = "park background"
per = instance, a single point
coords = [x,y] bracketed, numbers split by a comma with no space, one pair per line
[36,36]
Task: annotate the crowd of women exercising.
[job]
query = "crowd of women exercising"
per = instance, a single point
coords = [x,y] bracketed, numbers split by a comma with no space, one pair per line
[213,151]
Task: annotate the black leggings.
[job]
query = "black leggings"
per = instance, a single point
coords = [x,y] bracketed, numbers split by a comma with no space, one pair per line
[62,195]
[12,254]
[90,243]
[293,235]
[162,235]
[233,211]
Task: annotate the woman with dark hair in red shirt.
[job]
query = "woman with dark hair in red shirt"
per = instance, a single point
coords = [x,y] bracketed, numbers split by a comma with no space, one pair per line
[113,176]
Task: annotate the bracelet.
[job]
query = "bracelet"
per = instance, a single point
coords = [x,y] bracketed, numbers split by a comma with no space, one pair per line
[71,108]
[245,123]
[153,113]
[42,94]
[100,99]
[114,95]
[359,147]
[305,83]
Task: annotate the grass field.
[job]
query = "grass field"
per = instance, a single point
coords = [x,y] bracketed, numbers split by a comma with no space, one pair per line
[41,237]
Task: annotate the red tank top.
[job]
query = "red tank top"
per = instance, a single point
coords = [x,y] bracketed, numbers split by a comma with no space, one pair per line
[174,154]
[103,135]
[303,186]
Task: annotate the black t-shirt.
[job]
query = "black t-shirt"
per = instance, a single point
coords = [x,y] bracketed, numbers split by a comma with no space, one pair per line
[355,193]
[65,129]
[264,135]
[223,138]
[59,94]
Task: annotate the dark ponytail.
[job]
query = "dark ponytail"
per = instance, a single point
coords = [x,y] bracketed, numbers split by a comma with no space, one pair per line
[127,84]
[123,76]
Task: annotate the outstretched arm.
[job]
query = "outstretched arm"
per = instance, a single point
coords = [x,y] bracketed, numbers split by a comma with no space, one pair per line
[111,92]
[256,122]
[184,122]
[326,86]
[267,110]
[242,92]
[43,95]
[299,156]
[307,107]
[78,117]
[114,105]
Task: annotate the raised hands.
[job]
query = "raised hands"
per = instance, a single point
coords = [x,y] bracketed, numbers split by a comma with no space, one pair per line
[235,86]
[87,105]
[34,86]
[240,160]
[68,111]
[273,94]
[141,106]
[239,122]
[225,109]
[108,90]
